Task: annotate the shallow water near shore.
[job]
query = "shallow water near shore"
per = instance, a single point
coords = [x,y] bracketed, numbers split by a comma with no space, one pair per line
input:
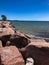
[38,28]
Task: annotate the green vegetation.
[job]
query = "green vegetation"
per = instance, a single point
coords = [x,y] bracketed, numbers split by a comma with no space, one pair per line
[4,18]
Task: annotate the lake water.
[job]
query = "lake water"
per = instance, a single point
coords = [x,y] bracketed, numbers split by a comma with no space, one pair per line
[32,27]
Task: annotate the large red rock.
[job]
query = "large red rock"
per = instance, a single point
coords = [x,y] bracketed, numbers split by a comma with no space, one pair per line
[6,28]
[11,56]
[39,56]
[15,37]
[15,40]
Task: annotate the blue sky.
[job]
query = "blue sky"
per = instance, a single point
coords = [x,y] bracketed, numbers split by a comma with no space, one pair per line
[25,9]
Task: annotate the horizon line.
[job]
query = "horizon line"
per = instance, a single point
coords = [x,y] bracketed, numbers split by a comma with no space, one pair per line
[25,20]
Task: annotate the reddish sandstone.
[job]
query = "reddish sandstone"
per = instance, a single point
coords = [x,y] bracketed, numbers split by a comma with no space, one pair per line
[11,56]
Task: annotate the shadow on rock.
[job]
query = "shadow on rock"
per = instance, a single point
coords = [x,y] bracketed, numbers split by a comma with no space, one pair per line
[40,58]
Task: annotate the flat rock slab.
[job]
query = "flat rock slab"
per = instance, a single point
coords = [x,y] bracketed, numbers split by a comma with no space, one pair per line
[11,56]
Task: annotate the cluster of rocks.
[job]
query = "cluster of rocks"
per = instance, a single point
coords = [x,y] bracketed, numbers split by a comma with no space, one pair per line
[11,40]
[16,47]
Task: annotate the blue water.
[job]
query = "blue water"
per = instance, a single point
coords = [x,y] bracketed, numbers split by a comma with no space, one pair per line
[32,27]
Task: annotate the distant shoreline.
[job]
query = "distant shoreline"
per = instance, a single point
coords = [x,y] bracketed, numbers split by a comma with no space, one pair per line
[26,21]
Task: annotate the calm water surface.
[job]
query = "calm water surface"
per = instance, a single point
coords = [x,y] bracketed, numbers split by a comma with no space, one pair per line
[32,27]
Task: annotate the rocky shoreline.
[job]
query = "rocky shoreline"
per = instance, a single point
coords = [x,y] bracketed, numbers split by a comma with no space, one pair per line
[16,47]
